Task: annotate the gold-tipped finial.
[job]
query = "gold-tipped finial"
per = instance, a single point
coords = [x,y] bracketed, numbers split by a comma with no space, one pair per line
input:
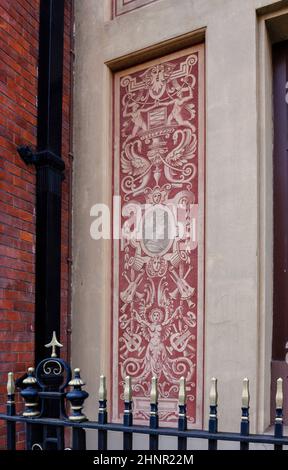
[154,391]
[53,343]
[279,394]
[128,389]
[30,379]
[10,384]
[76,381]
[213,395]
[182,392]
[245,393]
[102,388]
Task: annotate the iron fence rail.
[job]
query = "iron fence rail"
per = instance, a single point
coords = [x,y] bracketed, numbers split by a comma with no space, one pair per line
[45,417]
[161,431]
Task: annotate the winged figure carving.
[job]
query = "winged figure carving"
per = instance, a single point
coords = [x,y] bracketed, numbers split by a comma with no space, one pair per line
[131,162]
[185,150]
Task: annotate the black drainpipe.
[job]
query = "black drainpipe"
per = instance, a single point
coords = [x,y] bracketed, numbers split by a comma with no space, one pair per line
[49,174]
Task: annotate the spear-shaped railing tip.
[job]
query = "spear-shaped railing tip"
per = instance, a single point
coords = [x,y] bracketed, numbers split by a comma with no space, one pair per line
[10,384]
[245,393]
[128,389]
[279,394]
[102,388]
[154,391]
[53,344]
[182,392]
[213,396]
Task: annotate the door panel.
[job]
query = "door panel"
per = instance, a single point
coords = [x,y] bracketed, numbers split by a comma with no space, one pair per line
[280,222]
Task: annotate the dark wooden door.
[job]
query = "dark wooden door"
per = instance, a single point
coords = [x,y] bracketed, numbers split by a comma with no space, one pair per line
[280,214]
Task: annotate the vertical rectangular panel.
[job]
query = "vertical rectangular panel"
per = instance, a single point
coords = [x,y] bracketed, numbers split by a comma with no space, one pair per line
[158,282]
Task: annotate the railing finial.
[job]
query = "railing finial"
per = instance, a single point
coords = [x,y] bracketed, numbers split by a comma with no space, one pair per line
[278,426]
[154,418]
[182,392]
[102,388]
[10,384]
[213,396]
[102,413]
[77,397]
[53,343]
[30,395]
[154,391]
[128,389]
[245,393]
[279,394]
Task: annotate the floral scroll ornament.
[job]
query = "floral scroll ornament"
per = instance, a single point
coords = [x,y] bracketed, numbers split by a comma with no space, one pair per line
[158,157]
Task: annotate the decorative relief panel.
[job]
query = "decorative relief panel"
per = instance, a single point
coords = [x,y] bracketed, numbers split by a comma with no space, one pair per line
[124,6]
[158,280]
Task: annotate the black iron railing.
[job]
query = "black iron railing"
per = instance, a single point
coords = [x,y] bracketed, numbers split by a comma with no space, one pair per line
[45,416]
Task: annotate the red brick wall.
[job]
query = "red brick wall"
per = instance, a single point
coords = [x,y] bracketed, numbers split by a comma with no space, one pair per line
[19,24]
